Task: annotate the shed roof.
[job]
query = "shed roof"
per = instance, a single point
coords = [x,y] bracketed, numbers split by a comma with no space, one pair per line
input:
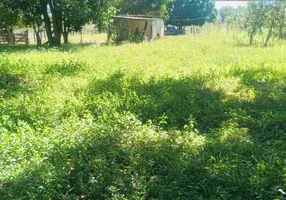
[135,17]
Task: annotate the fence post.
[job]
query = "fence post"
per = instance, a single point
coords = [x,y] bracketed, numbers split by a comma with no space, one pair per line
[3,36]
[26,35]
[109,31]
[13,39]
[194,31]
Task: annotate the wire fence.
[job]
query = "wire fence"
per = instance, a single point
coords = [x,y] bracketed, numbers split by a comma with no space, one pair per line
[90,34]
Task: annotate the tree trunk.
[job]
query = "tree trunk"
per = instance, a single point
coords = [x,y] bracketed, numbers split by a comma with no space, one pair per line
[281,26]
[57,23]
[37,32]
[57,30]
[251,39]
[47,21]
[268,36]
[39,39]
[66,30]
[10,36]
[27,41]
[66,37]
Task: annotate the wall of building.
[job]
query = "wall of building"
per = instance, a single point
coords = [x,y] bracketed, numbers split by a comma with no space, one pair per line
[148,28]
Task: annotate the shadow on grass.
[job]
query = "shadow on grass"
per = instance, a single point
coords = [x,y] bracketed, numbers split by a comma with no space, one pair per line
[174,102]
[25,48]
[266,113]
[76,47]
[107,165]
[15,91]
[242,156]
[19,48]
[12,85]
[65,68]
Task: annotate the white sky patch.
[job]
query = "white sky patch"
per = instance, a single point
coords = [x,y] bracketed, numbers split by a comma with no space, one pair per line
[220,4]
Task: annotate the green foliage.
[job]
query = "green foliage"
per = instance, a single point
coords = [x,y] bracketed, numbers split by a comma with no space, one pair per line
[101,11]
[9,16]
[266,16]
[76,14]
[59,17]
[135,36]
[31,13]
[143,7]
[233,16]
[92,122]
[254,19]
[184,13]
[65,68]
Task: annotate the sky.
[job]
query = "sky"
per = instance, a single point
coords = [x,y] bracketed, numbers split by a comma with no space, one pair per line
[222,3]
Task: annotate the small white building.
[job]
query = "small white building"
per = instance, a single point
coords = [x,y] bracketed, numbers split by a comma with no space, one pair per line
[146,27]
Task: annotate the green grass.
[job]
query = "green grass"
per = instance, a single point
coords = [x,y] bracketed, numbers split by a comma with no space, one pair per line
[179,118]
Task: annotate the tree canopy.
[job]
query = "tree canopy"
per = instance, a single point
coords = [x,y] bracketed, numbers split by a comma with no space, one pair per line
[143,7]
[59,17]
[190,12]
[232,16]
[72,15]
[265,17]
[9,15]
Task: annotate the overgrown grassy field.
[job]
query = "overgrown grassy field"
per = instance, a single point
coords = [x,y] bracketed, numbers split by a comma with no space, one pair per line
[179,118]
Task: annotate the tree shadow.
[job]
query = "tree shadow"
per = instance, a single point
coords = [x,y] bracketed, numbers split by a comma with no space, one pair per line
[15,91]
[174,102]
[65,68]
[266,112]
[76,47]
[19,48]
[123,155]
[26,48]
[108,165]
[12,85]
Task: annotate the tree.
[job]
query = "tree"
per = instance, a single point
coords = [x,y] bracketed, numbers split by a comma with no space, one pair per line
[69,15]
[282,19]
[66,16]
[270,19]
[254,19]
[212,16]
[265,16]
[184,13]
[32,16]
[232,16]
[226,13]
[101,11]
[274,17]
[75,14]
[59,17]
[143,7]
[9,17]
